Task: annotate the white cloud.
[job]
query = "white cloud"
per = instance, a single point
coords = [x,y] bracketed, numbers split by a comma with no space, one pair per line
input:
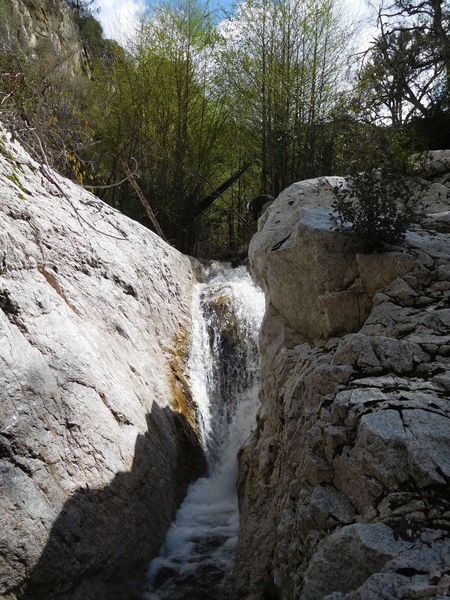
[119,18]
[362,14]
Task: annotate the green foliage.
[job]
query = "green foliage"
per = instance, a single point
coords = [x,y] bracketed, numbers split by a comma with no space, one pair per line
[81,8]
[14,179]
[158,106]
[187,108]
[282,71]
[189,103]
[378,206]
[92,36]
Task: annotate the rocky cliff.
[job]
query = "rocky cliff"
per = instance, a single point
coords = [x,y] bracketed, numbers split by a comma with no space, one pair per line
[344,488]
[43,28]
[94,315]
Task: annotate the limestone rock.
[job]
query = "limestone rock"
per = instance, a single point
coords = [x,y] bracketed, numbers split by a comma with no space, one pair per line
[344,491]
[346,558]
[43,28]
[297,254]
[94,460]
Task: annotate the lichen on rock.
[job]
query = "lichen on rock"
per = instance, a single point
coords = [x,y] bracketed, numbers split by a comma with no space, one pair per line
[182,401]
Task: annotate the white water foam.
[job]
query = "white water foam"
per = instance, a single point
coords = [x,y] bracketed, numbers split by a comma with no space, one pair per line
[204,534]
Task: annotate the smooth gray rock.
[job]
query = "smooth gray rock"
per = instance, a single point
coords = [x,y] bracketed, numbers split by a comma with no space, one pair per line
[96,449]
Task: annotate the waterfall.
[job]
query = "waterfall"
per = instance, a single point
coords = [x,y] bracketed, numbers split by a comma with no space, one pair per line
[196,559]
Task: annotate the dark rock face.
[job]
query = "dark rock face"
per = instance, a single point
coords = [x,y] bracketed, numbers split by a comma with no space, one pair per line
[228,343]
[235,358]
[344,487]
[104,537]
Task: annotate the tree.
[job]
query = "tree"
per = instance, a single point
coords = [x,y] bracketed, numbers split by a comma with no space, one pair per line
[81,8]
[203,117]
[407,67]
[281,66]
[159,105]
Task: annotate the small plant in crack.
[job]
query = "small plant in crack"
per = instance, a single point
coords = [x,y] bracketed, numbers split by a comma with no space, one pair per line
[8,306]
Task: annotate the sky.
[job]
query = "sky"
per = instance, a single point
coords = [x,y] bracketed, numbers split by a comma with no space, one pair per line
[119,18]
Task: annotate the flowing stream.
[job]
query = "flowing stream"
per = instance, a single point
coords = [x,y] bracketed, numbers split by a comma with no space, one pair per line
[196,559]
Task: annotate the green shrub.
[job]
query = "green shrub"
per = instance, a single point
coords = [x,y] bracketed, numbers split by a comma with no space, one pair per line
[378,205]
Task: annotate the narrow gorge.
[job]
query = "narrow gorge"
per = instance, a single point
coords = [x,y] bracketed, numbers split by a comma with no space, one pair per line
[197,557]
[130,371]
[132,380]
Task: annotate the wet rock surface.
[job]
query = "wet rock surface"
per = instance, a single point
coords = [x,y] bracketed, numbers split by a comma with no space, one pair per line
[197,557]
[94,461]
[230,348]
[344,490]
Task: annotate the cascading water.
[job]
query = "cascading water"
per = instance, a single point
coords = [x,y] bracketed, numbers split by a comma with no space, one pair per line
[196,559]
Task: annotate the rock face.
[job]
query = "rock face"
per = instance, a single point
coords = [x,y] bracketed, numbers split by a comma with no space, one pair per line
[94,462]
[344,487]
[41,27]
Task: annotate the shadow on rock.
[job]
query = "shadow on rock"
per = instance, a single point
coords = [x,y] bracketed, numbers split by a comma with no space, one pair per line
[103,540]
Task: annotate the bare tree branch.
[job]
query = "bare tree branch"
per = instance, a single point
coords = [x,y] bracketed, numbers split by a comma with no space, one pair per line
[142,198]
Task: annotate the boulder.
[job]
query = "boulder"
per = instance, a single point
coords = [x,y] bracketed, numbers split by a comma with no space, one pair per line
[343,490]
[318,278]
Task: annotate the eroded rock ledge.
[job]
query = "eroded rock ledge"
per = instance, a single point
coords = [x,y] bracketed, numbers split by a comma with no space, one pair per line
[94,459]
[344,488]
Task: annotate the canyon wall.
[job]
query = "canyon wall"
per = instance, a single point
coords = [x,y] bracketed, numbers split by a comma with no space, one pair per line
[43,28]
[97,438]
[344,487]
